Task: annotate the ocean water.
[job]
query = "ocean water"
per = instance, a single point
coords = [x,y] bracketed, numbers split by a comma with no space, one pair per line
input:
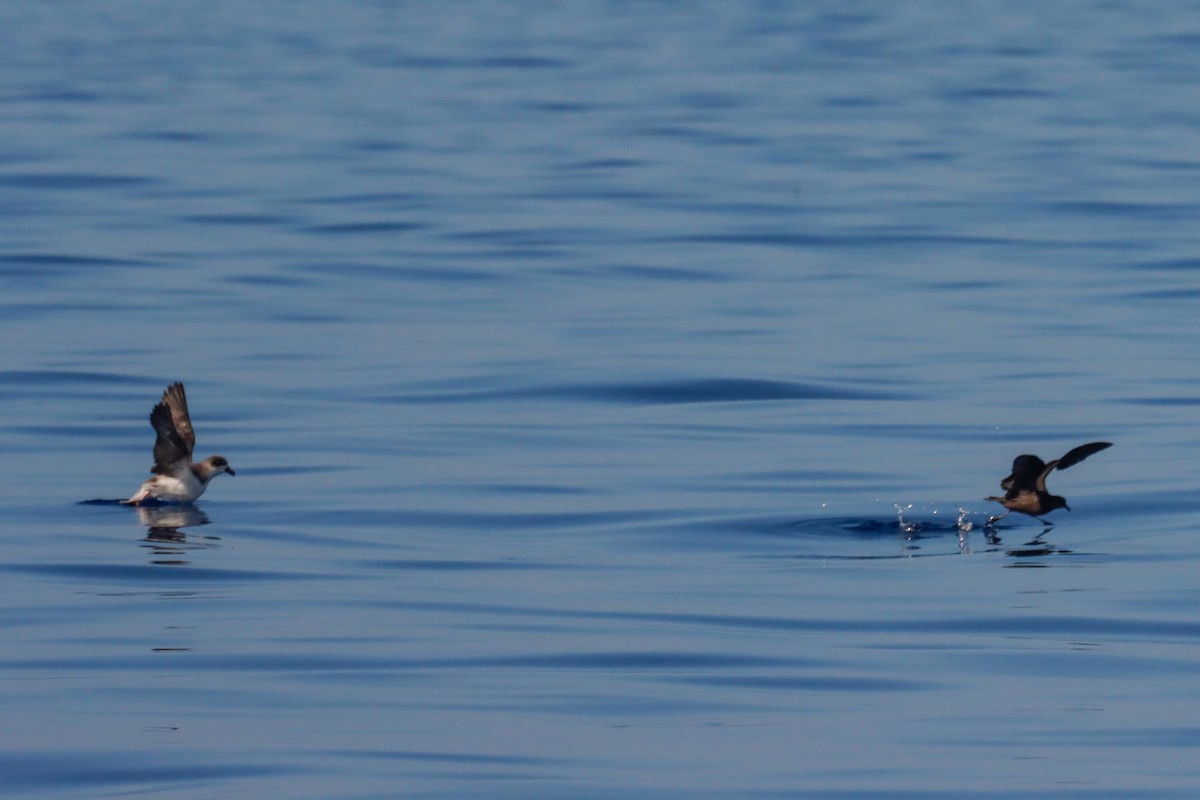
[612,388]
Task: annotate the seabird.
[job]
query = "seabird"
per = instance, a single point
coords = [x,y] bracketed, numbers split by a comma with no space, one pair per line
[1026,486]
[176,479]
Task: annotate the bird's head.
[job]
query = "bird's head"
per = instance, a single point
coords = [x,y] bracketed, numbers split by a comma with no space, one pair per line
[213,466]
[1054,501]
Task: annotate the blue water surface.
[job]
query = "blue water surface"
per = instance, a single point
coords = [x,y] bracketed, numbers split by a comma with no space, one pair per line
[613,389]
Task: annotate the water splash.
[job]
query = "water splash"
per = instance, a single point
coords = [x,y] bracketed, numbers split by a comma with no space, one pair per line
[964,527]
[905,526]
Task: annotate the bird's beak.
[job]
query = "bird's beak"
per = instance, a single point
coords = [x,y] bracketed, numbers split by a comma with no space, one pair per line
[231,472]
[1068,508]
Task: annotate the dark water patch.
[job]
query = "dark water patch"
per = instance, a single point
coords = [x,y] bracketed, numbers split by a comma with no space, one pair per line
[1033,549]
[57,310]
[374,272]
[340,538]
[1163,163]
[307,469]
[1021,51]
[964,285]
[446,757]
[994,92]
[558,106]
[243,662]
[389,200]
[184,137]
[1158,211]
[642,273]
[1175,295]
[932,156]
[1097,628]
[448,275]
[795,477]
[1083,659]
[376,146]
[1139,505]
[992,625]
[627,660]
[60,377]
[856,240]
[307,317]
[357,228]
[1182,401]
[78,432]
[1182,737]
[151,574]
[522,62]
[906,535]
[454,565]
[59,94]
[238,220]
[56,385]
[854,774]
[853,101]
[642,197]
[1170,264]
[967,434]
[703,390]
[867,527]
[388,57]
[813,683]
[99,771]
[375,57]
[75,182]
[467,520]
[519,241]
[269,281]
[604,164]
[44,261]
[912,549]
[715,390]
[856,538]
[532,490]
[623,710]
[701,134]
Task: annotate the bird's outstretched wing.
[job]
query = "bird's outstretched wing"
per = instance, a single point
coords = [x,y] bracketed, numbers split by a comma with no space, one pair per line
[1025,474]
[1071,458]
[174,428]
[1080,453]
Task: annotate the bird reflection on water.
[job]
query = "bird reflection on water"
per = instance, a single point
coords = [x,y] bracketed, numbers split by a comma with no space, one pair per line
[164,529]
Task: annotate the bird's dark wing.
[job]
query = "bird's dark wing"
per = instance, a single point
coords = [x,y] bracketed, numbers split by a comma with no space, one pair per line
[176,400]
[1070,459]
[1080,453]
[1025,472]
[174,428]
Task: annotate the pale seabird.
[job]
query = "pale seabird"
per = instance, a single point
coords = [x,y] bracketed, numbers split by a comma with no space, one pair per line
[176,479]
[1026,486]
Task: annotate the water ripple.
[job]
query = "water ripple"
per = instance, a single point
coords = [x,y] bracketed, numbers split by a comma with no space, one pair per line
[700,390]
[42,771]
[131,573]
[72,182]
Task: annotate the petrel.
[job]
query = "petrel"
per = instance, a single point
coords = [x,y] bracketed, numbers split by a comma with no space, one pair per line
[1026,486]
[176,479]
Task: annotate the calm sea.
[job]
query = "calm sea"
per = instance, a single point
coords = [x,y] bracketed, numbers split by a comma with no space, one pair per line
[612,388]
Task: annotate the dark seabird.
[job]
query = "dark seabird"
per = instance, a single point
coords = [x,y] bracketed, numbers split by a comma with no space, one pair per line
[176,479]
[1025,488]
